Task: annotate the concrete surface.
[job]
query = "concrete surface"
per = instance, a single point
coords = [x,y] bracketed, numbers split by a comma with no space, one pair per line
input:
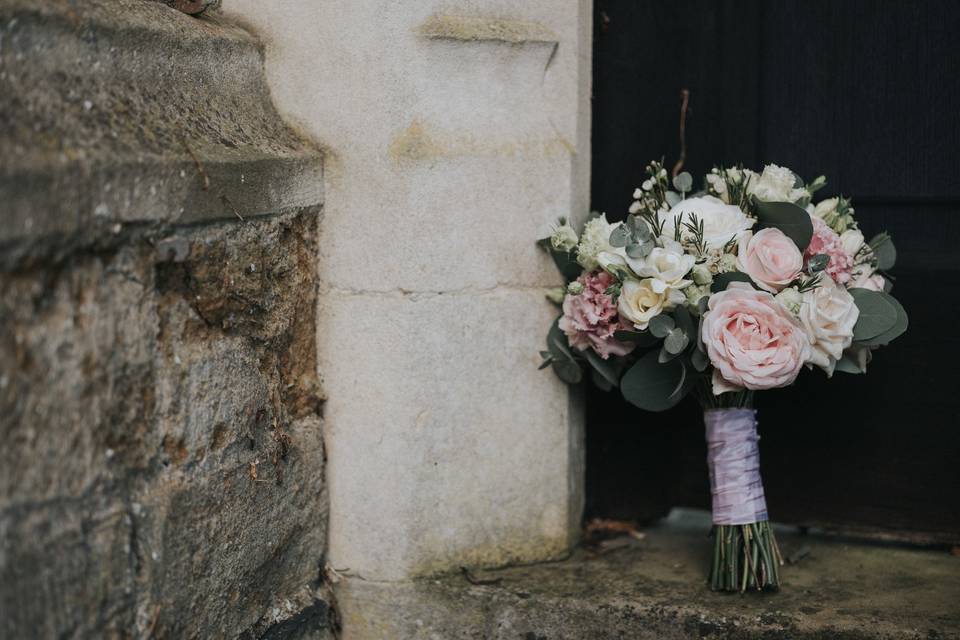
[455,134]
[656,589]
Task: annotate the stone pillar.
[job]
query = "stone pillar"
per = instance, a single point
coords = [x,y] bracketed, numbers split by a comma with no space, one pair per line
[454,137]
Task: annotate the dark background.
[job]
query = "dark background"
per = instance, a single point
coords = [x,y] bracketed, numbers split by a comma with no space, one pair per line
[866,93]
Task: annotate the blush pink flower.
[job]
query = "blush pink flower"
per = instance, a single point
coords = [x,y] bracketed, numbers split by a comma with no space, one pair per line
[770,258]
[752,340]
[590,318]
[826,241]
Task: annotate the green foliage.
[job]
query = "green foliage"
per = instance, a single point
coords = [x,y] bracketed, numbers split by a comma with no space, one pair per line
[661,325]
[789,218]
[656,386]
[641,338]
[884,251]
[899,326]
[722,280]
[818,263]
[607,370]
[881,317]
[560,357]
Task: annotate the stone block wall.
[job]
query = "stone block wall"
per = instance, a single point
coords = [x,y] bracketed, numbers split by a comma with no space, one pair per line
[162,473]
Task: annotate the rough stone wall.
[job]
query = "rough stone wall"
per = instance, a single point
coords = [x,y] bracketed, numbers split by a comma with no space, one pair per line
[162,473]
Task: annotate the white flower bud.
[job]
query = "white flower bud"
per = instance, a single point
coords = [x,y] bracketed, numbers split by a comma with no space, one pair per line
[575,288]
[556,295]
[564,238]
[701,274]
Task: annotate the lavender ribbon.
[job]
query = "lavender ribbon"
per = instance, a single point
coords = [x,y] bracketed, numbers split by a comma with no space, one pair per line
[734,460]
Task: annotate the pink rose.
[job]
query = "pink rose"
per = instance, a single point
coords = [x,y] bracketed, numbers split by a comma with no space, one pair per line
[590,318]
[751,340]
[770,258]
[826,241]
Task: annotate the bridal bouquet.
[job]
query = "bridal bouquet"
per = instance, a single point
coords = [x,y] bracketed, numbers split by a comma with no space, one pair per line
[721,293]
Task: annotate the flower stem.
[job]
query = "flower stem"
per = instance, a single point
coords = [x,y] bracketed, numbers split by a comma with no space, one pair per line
[745,556]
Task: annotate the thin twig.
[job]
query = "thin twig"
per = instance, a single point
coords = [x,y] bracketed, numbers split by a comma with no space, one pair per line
[685,102]
[197,164]
[153,623]
[225,200]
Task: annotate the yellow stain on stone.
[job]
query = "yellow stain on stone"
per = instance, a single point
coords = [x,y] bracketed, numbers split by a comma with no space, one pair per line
[416,142]
[478,29]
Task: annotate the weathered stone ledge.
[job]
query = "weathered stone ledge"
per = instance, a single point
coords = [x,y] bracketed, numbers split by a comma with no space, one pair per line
[129,111]
[655,589]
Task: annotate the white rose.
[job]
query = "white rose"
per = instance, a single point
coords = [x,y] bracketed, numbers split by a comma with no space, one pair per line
[594,240]
[641,300]
[828,313]
[564,238]
[669,265]
[721,221]
[774,185]
[852,240]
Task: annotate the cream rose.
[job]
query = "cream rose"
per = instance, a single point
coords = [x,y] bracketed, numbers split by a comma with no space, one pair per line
[641,300]
[751,340]
[770,258]
[828,313]
[668,264]
[721,222]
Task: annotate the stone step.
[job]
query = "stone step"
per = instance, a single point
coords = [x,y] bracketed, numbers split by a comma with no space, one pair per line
[655,589]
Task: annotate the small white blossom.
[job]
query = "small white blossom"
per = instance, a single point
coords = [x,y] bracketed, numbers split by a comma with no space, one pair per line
[595,239]
[564,238]
[575,288]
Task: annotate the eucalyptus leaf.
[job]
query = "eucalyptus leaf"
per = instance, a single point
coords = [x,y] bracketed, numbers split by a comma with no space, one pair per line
[884,250]
[600,382]
[877,314]
[665,356]
[684,319]
[704,302]
[568,371]
[639,250]
[676,341]
[722,280]
[699,360]
[652,385]
[818,262]
[641,338]
[683,182]
[789,218]
[620,236]
[661,325]
[607,369]
[846,364]
[672,198]
[893,332]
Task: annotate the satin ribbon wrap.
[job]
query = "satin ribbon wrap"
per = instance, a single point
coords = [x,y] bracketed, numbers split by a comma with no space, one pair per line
[733,456]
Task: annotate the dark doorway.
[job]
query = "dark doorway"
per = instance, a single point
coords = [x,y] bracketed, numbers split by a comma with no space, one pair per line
[866,93]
